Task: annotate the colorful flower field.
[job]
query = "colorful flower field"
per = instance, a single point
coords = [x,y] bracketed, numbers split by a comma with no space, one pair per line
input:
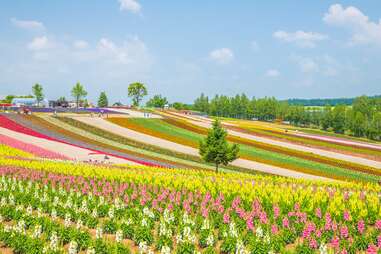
[30,149]
[58,207]
[7,123]
[187,134]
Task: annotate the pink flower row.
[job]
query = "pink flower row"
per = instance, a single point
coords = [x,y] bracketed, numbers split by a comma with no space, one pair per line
[14,126]
[32,149]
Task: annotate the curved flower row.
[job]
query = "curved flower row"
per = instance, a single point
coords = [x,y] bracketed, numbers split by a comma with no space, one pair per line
[12,125]
[186,134]
[186,211]
[30,149]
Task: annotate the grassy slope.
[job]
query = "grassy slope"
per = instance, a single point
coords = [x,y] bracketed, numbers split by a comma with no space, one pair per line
[164,130]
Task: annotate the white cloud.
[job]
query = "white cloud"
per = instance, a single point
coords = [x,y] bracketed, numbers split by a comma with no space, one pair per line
[272,73]
[30,25]
[40,43]
[363,30]
[300,38]
[130,5]
[222,55]
[80,44]
[126,53]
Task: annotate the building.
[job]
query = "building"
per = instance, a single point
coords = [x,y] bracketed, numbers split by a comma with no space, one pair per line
[58,104]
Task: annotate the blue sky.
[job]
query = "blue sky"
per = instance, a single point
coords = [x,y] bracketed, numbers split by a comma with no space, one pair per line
[286,49]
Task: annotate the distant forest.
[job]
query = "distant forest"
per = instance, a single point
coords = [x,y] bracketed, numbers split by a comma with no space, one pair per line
[325,102]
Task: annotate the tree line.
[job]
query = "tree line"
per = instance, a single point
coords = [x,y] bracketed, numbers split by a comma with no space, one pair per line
[324,102]
[361,119]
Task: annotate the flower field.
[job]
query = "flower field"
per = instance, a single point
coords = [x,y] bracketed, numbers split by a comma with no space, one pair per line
[61,207]
[266,131]
[118,141]
[187,134]
[26,150]
[7,123]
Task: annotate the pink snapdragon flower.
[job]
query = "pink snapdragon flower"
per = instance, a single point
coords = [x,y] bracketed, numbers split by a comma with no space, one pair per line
[361,226]
[347,216]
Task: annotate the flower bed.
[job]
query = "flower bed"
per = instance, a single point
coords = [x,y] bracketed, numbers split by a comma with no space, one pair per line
[30,149]
[85,207]
[9,151]
[146,147]
[12,125]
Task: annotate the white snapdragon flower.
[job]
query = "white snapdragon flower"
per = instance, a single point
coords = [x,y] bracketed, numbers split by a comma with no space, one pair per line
[119,236]
[99,233]
[73,247]
[165,250]
[210,240]
[53,241]
[54,214]
[323,249]
[259,232]
[111,212]
[29,210]
[232,230]
[90,251]
[37,231]
[143,248]
[79,224]
[67,221]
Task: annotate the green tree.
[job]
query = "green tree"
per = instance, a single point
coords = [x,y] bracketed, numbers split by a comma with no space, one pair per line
[137,91]
[215,149]
[157,102]
[364,105]
[202,104]
[9,98]
[78,92]
[103,100]
[338,118]
[38,93]
[326,120]
[373,130]
[358,124]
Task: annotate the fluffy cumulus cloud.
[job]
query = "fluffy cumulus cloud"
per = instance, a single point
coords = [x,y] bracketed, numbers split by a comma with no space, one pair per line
[300,38]
[272,73]
[222,55]
[40,43]
[130,5]
[128,52]
[30,25]
[363,30]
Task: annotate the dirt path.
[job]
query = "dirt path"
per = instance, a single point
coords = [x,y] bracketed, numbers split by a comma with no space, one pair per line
[73,152]
[108,126]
